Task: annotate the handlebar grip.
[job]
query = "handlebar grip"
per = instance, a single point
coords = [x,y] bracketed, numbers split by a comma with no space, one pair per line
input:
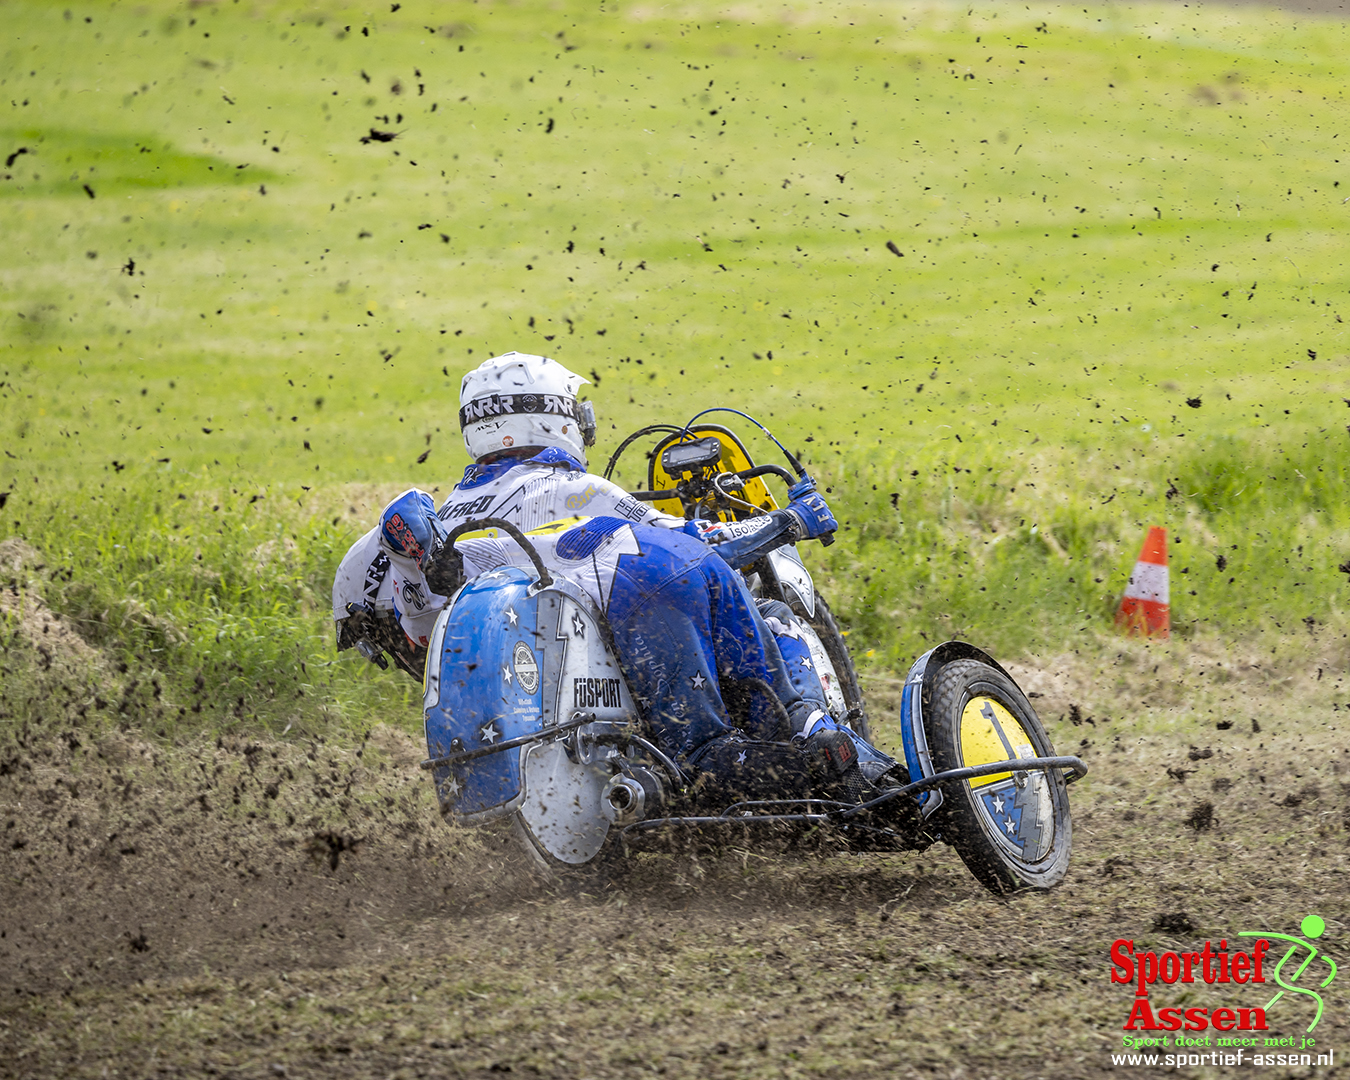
[827,539]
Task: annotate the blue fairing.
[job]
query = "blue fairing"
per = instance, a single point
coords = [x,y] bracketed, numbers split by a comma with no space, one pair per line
[912,735]
[913,730]
[490,690]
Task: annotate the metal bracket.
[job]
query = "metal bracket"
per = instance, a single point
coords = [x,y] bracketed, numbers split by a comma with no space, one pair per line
[461,756]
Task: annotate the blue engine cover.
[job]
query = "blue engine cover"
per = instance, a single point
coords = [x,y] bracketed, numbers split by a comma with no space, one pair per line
[486,689]
[505,662]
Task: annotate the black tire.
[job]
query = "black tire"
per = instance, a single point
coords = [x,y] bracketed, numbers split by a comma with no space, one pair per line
[976,712]
[822,622]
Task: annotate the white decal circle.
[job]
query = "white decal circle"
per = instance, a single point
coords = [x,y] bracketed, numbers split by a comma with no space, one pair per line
[527,670]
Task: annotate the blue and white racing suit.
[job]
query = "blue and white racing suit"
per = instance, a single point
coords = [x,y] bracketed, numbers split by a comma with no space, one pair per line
[694,648]
[547,487]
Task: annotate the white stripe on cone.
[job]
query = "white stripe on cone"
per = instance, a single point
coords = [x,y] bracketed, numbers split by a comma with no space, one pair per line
[1148,582]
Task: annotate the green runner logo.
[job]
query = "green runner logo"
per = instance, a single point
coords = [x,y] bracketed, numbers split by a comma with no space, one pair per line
[1313,926]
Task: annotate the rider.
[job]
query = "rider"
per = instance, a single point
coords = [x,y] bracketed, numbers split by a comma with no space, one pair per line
[381,602]
[528,433]
[690,637]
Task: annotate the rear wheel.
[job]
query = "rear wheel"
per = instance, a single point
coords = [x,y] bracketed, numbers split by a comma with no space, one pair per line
[1013,831]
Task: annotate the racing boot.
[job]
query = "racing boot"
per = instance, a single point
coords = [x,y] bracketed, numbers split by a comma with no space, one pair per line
[846,767]
[833,757]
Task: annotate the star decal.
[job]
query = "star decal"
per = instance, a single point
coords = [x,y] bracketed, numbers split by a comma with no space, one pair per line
[511,616]
[453,786]
[806,663]
[1012,828]
[506,673]
[740,758]
[998,804]
[489,733]
[578,625]
[698,682]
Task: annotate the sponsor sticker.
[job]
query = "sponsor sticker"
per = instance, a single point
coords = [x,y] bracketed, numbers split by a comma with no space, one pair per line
[526,667]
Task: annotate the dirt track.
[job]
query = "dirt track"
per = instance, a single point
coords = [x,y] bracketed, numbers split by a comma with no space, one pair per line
[244,909]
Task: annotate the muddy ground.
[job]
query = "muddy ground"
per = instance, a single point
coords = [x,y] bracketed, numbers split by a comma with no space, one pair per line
[258,908]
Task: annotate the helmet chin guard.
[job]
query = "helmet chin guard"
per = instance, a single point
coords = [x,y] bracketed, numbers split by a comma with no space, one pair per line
[520,399]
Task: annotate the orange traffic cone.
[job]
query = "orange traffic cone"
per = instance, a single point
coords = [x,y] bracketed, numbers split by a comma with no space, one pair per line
[1144,609]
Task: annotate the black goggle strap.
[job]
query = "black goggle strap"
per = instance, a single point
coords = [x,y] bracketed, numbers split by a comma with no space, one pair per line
[519,405]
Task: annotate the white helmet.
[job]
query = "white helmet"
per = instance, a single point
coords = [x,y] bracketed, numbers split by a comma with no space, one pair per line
[524,400]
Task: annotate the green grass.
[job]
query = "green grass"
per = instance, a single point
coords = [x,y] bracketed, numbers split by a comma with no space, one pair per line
[1031,553]
[1098,216]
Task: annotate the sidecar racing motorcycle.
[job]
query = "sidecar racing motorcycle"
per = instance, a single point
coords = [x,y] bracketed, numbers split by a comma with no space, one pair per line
[530,720]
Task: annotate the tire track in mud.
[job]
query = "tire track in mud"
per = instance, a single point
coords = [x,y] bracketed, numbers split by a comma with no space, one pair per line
[124,861]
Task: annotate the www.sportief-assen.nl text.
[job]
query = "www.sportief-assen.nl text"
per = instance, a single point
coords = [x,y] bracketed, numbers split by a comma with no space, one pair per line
[1224,1057]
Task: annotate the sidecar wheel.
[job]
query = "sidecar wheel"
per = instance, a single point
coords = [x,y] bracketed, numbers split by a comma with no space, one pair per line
[1010,835]
[832,638]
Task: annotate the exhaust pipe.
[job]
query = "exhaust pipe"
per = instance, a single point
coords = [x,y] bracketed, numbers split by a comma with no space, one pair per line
[629,793]
[624,800]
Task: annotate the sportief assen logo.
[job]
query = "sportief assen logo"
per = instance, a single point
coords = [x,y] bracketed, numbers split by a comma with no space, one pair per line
[1235,1022]
[1208,964]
